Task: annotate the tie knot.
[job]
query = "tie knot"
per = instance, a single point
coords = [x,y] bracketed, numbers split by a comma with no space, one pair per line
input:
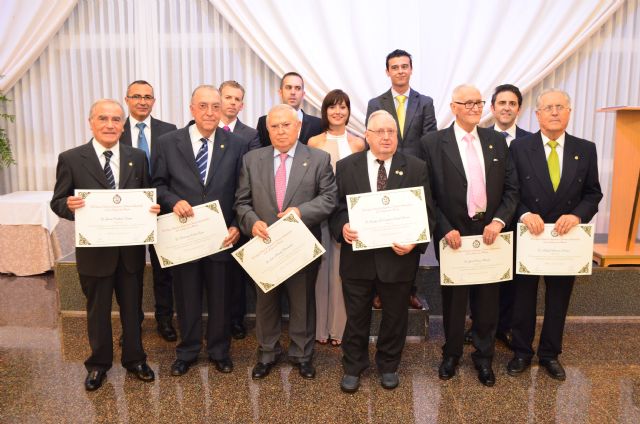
[204,141]
[107,154]
[468,138]
[226,128]
[380,162]
[141,125]
[283,156]
[401,99]
[553,144]
[504,133]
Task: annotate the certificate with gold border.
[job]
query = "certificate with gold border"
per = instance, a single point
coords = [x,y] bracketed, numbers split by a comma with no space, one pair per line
[115,218]
[475,262]
[289,248]
[390,216]
[552,254]
[182,240]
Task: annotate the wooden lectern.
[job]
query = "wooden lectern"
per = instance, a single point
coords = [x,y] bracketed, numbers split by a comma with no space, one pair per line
[621,247]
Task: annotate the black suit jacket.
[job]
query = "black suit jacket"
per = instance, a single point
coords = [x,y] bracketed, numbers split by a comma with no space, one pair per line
[311,126]
[248,134]
[420,118]
[449,182]
[79,168]
[579,191]
[176,176]
[158,129]
[352,177]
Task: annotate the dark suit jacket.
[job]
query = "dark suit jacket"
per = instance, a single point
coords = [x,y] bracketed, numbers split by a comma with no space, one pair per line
[449,182]
[158,128]
[420,118]
[247,133]
[519,131]
[311,126]
[79,168]
[176,176]
[579,190]
[352,177]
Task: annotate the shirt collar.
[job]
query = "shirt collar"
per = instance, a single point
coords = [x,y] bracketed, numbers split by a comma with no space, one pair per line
[231,125]
[559,140]
[395,94]
[511,130]
[100,149]
[133,121]
[460,133]
[372,159]
[195,135]
[291,152]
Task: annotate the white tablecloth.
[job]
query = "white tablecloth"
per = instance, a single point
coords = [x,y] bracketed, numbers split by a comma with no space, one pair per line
[28,208]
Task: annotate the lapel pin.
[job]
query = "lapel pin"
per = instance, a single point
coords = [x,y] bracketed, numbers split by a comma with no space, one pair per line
[398,172]
[130,163]
[576,157]
[304,164]
[222,146]
[491,146]
[495,159]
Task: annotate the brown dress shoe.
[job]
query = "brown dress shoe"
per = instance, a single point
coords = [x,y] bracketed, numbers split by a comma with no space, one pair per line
[414,302]
[377,303]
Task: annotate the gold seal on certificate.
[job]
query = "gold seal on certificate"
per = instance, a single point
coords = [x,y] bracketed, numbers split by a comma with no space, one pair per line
[552,254]
[387,217]
[115,218]
[182,240]
[475,262]
[289,248]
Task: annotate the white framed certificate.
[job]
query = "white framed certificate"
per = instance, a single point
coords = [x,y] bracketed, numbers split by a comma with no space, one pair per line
[475,262]
[387,217]
[289,248]
[182,240]
[115,218]
[552,254]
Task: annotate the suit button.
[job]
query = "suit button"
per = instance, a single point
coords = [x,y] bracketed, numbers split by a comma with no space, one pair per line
[537,200]
[579,180]
[528,177]
[569,202]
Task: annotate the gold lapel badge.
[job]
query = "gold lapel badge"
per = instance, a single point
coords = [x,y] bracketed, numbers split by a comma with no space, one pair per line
[130,163]
[304,164]
[222,146]
[576,157]
[491,146]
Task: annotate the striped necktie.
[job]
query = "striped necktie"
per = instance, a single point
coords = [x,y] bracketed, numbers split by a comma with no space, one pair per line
[201,160]
[107,169]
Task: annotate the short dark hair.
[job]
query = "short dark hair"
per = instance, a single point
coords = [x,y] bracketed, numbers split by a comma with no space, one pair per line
[291,74]
[506,87]
[141,82]
[333,97]
[233,84]
[399,53]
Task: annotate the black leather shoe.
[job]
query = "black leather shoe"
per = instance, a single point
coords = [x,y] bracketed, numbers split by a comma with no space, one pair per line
[350,383]
[389,380]
[94,380]
[261,370]
[180,367]
[447,368]
[166,330]
[486,375]
[143,372]
[505,337]
[517,365]
[468,337]
[306,369]
[223,365]
[554,368]
[238,331]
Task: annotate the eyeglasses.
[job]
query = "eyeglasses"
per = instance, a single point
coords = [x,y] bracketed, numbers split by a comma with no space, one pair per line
[469,105]
[203,107]
[383,132]
[282,126]
[138,98]
[550,108]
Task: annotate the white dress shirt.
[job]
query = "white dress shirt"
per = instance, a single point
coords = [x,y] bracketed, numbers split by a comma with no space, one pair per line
[373,167]
[511,133]
[114,162]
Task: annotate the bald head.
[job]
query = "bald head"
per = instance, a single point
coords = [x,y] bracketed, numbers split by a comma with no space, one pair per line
[283,126]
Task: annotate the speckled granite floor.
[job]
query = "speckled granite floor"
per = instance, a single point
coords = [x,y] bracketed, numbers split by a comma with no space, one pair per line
[41,380]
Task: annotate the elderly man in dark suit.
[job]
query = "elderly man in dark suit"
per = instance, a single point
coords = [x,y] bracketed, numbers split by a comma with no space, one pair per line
[475,190]
[390,271]
[141,130]
[104,163]
[232,96]
[414,115]
[287,176]
[191,166]
[558,185]
[292,93]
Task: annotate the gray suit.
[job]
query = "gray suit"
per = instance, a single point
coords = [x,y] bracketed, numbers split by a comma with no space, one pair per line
[312,189]
[247,133]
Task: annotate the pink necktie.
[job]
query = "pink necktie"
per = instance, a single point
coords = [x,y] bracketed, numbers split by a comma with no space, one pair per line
[226,128]
[281,180]
[477,194]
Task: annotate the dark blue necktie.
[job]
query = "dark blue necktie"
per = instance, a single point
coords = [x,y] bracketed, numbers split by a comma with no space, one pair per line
[142,141]
[107,169]
[504,133]
[201,159]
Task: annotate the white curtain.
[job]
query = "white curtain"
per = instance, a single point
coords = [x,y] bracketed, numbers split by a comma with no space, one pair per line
[26,27]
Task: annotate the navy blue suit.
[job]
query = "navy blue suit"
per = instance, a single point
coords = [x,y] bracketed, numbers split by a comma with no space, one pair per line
[578,194]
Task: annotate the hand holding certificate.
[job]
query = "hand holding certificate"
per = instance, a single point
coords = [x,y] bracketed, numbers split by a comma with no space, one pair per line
[185,239]
[115,217]
[552,254]
[387,217]
[289,247]
[475,262]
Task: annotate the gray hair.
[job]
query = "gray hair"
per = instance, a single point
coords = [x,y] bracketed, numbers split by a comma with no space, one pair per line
[283,107]
[101,101]
[461,87]
[552,90]
[377,115]
[202,87]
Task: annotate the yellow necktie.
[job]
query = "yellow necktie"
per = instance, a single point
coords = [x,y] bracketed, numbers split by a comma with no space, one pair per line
[553,162]
[400,111]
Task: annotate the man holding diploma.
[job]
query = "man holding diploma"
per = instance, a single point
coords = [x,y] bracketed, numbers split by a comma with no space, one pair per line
[191,166]
[475,190]
[558,184]
[105,164]
[286,176]
[390,271]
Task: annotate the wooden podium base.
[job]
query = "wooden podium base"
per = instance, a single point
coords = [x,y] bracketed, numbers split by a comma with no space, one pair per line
[603,255]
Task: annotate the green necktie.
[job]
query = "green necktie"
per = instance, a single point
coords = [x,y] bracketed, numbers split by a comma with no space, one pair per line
[553,162]
[400,112]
